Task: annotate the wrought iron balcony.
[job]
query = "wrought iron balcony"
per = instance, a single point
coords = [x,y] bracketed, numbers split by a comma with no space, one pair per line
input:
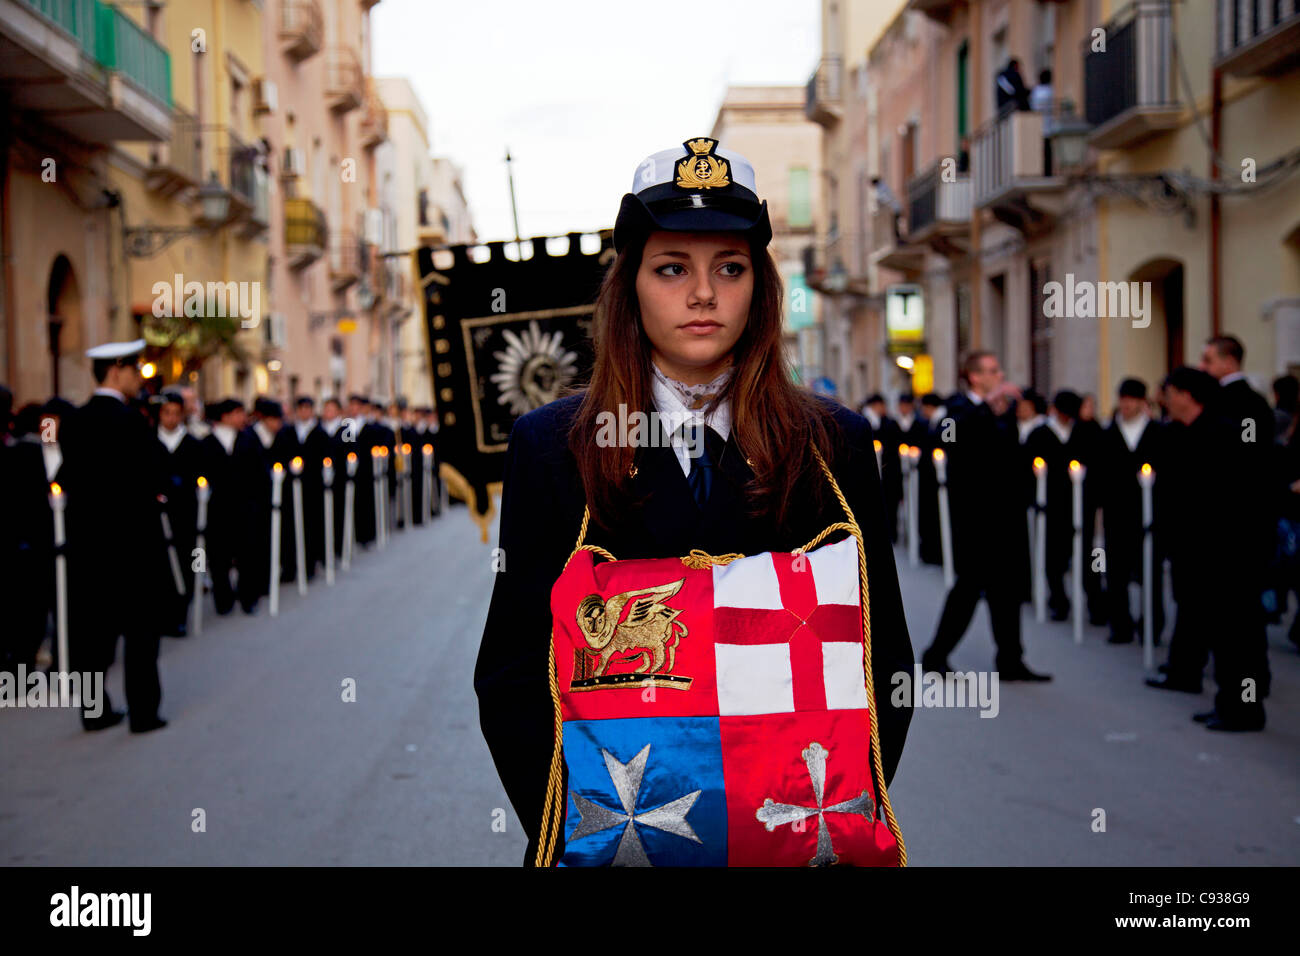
[302,28]
[305,232]
[344,87]
[1129,87]
[1257,36]
[374,119]
[822,98]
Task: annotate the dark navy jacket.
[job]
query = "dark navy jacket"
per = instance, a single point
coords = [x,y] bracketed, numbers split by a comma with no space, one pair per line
[541,513]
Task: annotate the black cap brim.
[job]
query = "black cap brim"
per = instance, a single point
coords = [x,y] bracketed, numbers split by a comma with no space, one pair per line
[637,219]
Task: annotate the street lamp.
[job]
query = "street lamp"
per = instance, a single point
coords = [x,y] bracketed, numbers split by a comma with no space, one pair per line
[1069,138]
[143,242]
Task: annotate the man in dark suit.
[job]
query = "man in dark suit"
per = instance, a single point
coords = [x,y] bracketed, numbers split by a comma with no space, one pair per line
[541,510]
[1131,441]
[224,535]
[412,434]
[1215,612]
[268,444]
[117,558]
[987,502]
[1248,415]
[182,461]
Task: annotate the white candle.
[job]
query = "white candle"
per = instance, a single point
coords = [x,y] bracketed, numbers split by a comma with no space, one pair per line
[327,477]
[57,503]
[426,504]
[1077,472]
[913,506]
[349,511]
[200,544]
[945,517]
[299,537]
[277,483]
[1040,540]
[1147,479]
[406,485]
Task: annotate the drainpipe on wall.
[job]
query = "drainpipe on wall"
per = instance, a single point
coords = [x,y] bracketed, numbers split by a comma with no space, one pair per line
[1216,129]
[6,252]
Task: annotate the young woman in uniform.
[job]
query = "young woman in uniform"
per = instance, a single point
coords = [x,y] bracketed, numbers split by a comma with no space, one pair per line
[688,323]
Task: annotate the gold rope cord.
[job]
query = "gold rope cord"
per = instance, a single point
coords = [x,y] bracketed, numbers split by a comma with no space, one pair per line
[866,654]
[552,810]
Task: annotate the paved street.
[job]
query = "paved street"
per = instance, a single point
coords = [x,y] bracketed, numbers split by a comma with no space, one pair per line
[288,773]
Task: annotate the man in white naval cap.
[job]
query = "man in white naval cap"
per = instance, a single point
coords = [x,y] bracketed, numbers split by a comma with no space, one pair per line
[119,579]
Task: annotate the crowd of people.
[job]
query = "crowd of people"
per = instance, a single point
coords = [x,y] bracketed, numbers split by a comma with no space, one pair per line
[1226,501]
[139,478]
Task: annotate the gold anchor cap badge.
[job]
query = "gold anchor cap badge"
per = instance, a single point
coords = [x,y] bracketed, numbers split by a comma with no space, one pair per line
[701,169]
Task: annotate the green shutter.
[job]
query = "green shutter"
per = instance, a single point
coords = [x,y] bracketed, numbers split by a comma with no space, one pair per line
[799,214]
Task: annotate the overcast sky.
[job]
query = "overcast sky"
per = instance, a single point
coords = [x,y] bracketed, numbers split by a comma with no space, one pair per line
[579,90]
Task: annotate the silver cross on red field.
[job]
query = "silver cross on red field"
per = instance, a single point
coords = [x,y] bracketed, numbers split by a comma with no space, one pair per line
[772,814]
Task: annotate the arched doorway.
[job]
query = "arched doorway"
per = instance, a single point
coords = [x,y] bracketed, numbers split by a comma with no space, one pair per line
[69,374]
[1161,347]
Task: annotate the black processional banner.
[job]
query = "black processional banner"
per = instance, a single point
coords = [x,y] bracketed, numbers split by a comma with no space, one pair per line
[505,336]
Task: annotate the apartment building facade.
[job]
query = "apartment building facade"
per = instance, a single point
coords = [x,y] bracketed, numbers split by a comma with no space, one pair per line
[768,125]
[1160,155]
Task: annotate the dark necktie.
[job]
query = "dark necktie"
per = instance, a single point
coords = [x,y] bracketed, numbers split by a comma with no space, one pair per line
[705,454]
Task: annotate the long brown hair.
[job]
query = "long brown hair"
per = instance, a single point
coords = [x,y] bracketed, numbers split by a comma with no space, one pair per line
[774,421]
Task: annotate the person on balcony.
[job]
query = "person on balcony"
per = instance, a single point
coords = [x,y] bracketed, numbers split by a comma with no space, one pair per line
[1040,101]
[1010,89]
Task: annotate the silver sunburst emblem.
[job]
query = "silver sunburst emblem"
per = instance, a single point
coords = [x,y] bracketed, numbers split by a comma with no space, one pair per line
[533,368]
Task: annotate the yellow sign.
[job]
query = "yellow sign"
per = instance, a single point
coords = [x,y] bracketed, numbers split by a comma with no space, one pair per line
[922,374]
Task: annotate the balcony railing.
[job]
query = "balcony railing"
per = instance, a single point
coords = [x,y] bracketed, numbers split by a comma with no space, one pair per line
[1129,88]
[935,206]
[1257,36]
[76,17]
[344,88]
[302,28]
[305,232]
[823,93]
[938,10]
[124,47]
[346,263]
[178,163]
[374,119]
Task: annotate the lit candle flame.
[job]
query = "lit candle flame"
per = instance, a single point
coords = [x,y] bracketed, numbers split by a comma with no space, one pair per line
[374,451]
[904,451]
[352,456]
[277,467]
[296,464]
[203,482]
[1146,471]
[327,463]
[56,489]
[1074,466]
[876,444]
[1039,464]
[427,449]
[938,454]
[914,452]
[406,449]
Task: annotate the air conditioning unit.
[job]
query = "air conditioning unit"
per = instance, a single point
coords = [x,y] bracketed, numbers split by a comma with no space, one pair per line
[276,336]
[265,96]
[295,163]
[374,227]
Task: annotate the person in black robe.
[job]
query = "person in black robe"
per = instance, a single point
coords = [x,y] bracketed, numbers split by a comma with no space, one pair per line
[1131,441]
[224,462]
[271,444]
[33,462]
[312,445]
[412,435]
[1051,442]
[334,430]
[1216,614]
[182,460]
[929,424]
[885,430]
[117,559]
